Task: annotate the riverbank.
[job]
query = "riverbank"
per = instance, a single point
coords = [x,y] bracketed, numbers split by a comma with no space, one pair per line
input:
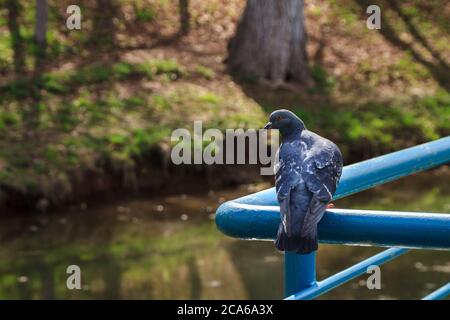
[149,180]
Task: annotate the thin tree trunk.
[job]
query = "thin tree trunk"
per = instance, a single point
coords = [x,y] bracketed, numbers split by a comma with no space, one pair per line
[17,44]
[184,17]
[270,42]
[103,34]
[41,23]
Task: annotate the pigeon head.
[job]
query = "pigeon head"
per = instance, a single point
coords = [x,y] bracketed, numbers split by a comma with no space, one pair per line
[286,122]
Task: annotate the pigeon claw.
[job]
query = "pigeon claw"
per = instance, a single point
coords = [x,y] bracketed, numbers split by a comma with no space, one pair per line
[330,205]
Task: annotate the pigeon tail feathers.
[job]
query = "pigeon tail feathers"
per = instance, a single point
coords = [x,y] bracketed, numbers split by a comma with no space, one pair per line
[308,243]
[302,244]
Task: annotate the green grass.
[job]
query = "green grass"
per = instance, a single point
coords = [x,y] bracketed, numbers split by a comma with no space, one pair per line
[84,123]
[62,82]
[145,14]
[382,127]
[205,72]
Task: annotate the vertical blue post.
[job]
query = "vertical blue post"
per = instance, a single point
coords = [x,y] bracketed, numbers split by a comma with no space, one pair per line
[299,272]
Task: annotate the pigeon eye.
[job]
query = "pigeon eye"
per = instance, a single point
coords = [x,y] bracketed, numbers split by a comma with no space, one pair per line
[279,118]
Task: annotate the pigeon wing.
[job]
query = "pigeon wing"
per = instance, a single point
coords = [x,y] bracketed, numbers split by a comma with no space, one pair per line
[287,177]
[321,175]
[285,210]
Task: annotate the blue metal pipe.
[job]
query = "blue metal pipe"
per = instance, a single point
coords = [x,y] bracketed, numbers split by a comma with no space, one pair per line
[367,174]
[299,272]
[346,275]
[439,294]
[345,226]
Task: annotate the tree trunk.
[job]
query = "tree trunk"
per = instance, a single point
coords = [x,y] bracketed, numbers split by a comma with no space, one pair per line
[270,42]
[17,43]
[184,17]
[41,23]
[102,37]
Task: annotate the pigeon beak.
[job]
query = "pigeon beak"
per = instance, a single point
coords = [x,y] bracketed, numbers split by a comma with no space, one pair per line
[268,126]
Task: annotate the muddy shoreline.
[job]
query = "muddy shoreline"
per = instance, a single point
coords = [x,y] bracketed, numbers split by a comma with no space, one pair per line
[149,178]
[152,176]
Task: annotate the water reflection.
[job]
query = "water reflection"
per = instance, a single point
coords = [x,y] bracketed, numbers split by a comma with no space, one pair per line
[170,248]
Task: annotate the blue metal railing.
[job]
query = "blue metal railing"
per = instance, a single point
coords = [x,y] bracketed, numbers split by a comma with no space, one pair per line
[256,216]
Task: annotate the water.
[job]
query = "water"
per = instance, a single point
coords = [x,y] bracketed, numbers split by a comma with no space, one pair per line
[170,249]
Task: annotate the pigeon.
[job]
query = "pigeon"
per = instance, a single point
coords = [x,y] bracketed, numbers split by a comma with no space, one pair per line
[307,172]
